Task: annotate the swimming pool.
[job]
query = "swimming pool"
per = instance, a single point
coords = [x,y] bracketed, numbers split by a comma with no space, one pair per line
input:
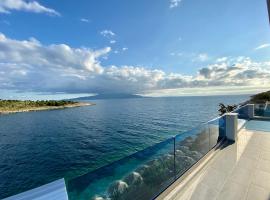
[258,125]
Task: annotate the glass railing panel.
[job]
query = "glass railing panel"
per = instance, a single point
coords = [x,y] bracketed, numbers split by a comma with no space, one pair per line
[242,112]
[142,175]
[242,116]
[241,123]
[259,109]
[262,110]
[216,130]
[145,174]
[190,147]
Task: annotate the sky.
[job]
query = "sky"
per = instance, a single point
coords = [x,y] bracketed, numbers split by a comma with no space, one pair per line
[57,49]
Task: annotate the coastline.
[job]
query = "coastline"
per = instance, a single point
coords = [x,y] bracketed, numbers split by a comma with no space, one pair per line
[43,108]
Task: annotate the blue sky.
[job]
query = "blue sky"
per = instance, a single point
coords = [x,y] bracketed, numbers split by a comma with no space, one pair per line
[147,47]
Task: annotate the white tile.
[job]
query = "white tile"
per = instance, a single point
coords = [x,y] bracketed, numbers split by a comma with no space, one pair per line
[204,192]
[241,175]
[265,147]
[215,179]
[254,140]
[232,191]
[258,193]
[264,165]
[247,163]
[225,164]
[251,153]
[262,179]
[265,155]
[265,136]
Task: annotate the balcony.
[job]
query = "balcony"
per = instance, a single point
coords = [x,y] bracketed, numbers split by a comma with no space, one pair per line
[239,170]
[225,158]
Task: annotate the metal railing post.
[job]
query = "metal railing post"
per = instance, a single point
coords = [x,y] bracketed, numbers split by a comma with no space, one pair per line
[209,137]
[268,7]
[174,158]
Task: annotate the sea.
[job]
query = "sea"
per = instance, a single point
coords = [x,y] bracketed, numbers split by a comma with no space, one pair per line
[39,147]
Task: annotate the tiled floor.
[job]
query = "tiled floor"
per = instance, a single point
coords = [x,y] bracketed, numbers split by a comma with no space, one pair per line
[240,171]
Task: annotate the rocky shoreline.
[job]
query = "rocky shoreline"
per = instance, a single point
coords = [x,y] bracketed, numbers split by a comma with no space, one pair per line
[79,104]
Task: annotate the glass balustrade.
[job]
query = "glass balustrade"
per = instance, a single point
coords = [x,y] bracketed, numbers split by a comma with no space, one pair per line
[242,116]
[262,110]
[147,173]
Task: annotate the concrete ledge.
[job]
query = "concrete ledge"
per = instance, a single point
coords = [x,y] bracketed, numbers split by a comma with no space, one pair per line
[52,191]
[261,118]
[231,126]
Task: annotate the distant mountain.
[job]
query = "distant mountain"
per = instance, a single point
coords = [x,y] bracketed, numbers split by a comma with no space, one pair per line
[260,98]
[109,96]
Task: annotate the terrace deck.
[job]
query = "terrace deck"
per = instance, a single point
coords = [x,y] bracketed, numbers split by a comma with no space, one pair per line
[238,171]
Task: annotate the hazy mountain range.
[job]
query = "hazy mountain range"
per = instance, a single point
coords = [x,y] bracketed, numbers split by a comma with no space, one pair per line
[109,96]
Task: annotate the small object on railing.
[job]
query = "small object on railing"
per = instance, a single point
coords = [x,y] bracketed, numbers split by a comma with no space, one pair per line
[231,126]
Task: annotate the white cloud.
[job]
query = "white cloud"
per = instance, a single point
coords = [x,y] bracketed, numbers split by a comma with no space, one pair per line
[6,6]
[85,20]
[176,54]
[107,33]
[222,59]
[29,61]
[124,49]
[202,57]
[30,66]
[208,91]
[243,73]
[174,3]
[263,46]
[113,41]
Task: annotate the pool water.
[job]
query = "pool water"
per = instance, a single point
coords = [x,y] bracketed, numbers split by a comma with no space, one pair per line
[258,125]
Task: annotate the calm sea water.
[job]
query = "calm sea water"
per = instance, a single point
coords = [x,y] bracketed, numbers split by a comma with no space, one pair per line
[39,147]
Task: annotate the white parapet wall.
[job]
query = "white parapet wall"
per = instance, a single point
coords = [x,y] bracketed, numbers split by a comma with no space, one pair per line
[231,126]
[51,191]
